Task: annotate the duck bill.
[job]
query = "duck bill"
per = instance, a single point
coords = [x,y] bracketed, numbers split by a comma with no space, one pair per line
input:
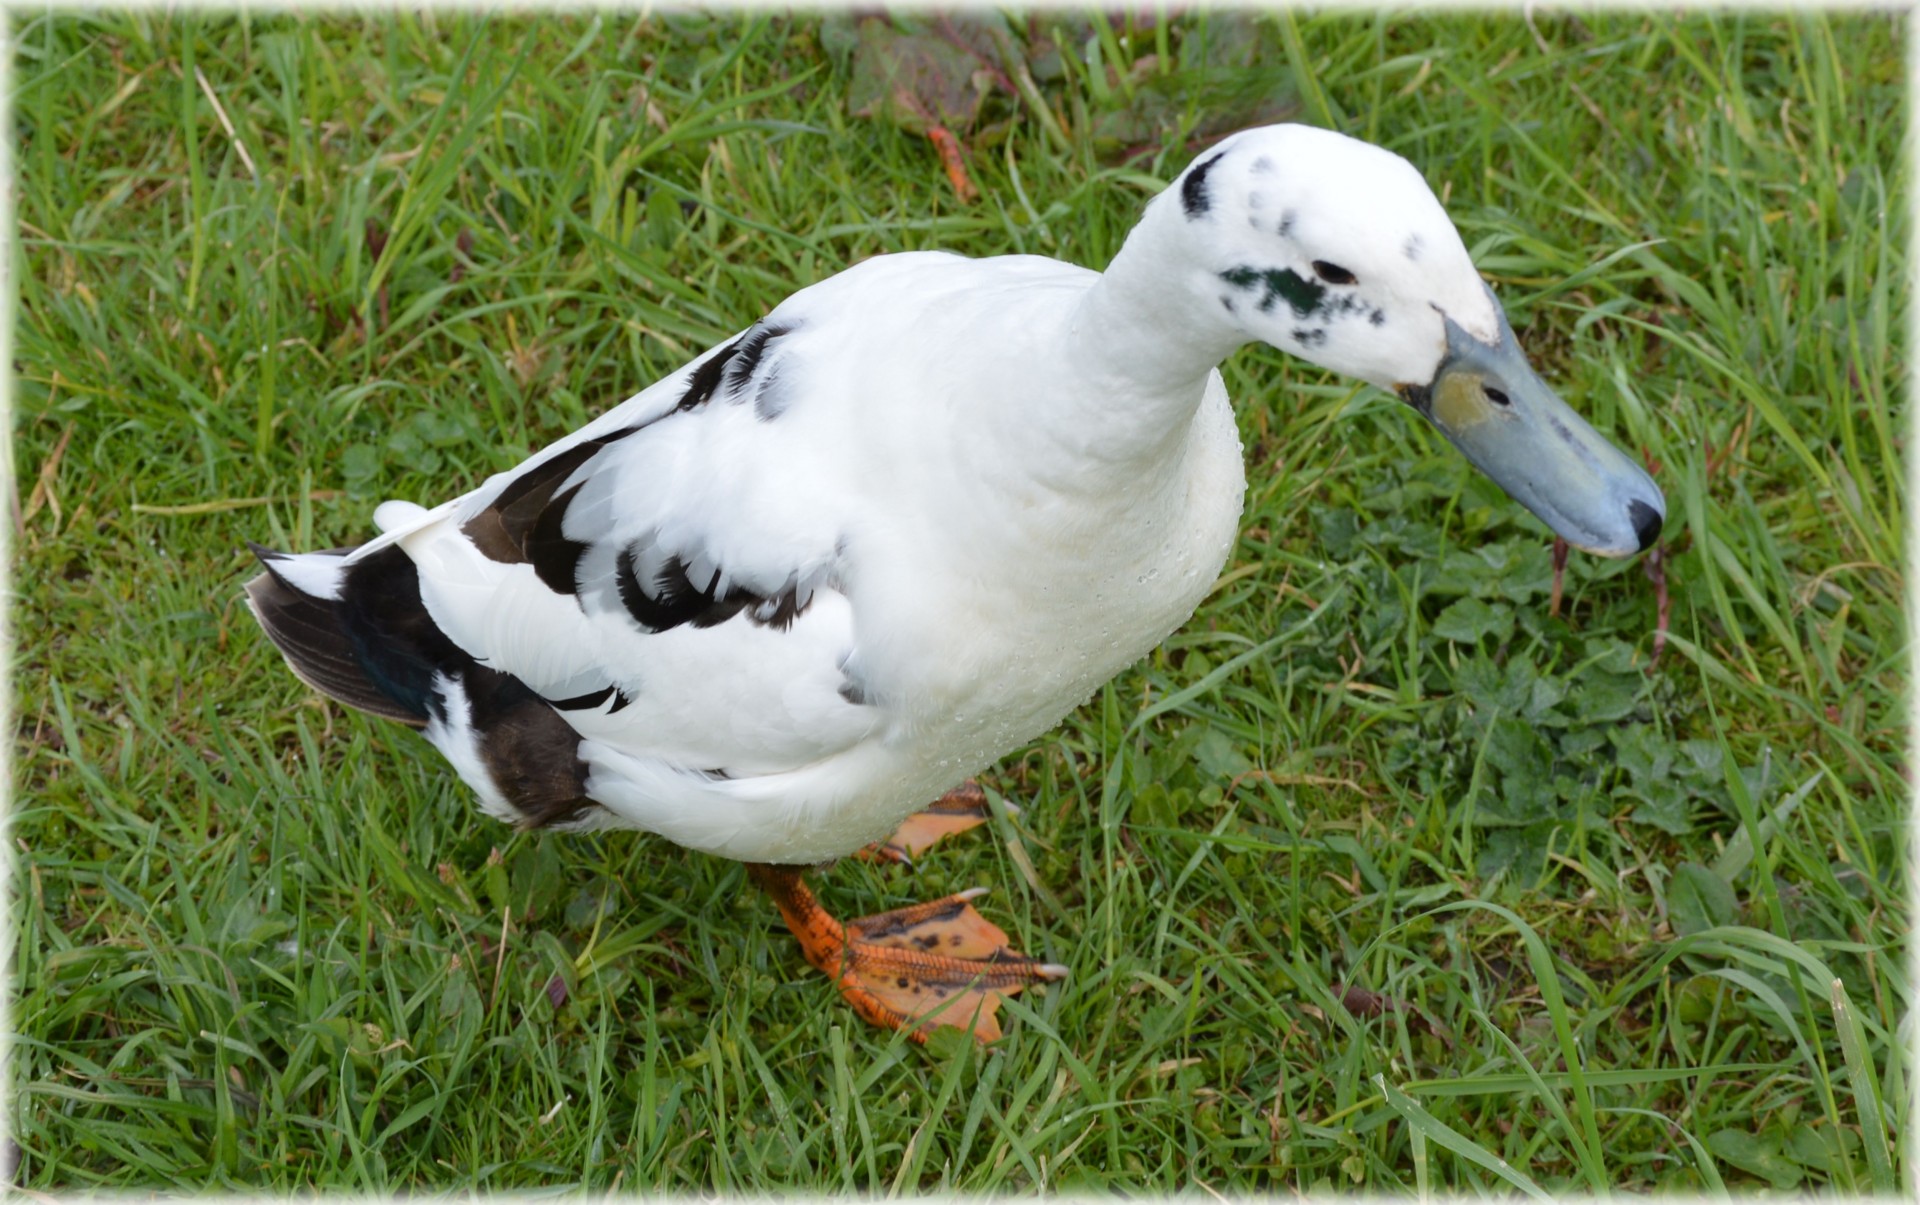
[1487,400]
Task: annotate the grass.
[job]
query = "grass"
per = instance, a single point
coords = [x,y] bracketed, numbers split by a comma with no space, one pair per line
[1378,875]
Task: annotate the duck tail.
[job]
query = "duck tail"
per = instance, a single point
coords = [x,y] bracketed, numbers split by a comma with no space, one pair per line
[304,603]
[352,625]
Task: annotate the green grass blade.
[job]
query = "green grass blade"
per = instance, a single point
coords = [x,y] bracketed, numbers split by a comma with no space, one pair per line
[1445,1136]
[1864,1086]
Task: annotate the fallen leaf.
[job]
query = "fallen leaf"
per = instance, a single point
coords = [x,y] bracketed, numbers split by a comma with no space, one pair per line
[916,78]
[929,76]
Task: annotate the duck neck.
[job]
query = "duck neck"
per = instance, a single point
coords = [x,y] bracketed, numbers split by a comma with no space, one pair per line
[1143,342]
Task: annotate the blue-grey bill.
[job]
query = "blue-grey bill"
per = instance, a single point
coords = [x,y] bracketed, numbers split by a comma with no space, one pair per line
[1487,400]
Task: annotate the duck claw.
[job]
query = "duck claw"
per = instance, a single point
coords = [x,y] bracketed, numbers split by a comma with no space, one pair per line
[933,964]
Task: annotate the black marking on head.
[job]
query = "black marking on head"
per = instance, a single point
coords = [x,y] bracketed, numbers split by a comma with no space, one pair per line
[1341,305]
[1378,317]
[1310,336]
[1301,294]
[1228,302]
[1262,166]
[1285,229]
[1193,190]
[1412,248]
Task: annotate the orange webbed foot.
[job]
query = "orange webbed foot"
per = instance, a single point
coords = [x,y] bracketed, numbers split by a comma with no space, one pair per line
[933,964]
[914,968]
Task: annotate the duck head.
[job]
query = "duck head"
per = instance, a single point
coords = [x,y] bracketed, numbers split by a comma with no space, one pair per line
[1337,251]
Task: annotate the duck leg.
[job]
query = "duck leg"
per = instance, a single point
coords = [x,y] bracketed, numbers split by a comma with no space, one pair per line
[914,968]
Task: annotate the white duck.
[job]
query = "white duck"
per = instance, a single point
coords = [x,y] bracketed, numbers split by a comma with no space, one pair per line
[772,604]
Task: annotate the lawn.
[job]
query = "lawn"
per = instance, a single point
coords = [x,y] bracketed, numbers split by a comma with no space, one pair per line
[1389,872]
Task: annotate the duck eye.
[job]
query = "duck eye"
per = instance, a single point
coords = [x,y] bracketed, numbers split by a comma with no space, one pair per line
[1497,397]
[1333,274]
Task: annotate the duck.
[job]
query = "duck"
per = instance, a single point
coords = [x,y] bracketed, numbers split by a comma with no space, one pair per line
[781,605]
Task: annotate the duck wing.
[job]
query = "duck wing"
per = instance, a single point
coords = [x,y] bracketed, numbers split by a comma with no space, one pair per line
[660,588]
